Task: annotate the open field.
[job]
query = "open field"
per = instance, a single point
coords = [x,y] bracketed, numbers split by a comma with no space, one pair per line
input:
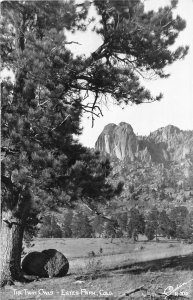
[121,267]
[121,252]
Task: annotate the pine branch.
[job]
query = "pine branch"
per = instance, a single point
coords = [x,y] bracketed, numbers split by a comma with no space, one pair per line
[93,106]
[72,42]
[7,150]
[12,222]
[7,181]
[59,125]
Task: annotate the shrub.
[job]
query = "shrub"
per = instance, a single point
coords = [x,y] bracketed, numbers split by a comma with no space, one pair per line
[91,254]
[92,268]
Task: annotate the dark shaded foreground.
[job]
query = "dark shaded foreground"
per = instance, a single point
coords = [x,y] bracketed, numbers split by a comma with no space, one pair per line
[180,262]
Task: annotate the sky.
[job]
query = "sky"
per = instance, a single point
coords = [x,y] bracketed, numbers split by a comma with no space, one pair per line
[175,108]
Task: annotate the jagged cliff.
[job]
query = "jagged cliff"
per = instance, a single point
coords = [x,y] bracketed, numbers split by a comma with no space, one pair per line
[165,144]
[119,141]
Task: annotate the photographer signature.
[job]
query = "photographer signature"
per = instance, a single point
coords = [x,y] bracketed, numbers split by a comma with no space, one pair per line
[170,290]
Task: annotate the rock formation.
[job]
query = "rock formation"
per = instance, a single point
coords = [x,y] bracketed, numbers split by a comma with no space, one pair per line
[119,141]
[163,145]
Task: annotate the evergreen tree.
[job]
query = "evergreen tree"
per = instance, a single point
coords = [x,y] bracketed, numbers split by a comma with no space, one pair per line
[178,216]
[66,224]
[122,220]
[149,232]
[172,229]
[50,228]
[164,223]
[153,221]
[98,224]
[80,226]
[38,147]
[88,177]
[110,229]
[42,107]
[136,224]
[188,227]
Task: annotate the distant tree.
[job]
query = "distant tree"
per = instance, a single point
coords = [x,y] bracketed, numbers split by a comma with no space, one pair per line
[66,224]
[178,215]
[162,195]
[110,229]
[122,220]
[131,188]
[172,229]
[152,221]
[50,228]
[149,232]
[98,224]
[167,227]
[188,226]
[163,223]
[184,198]
[136,224]
[80,226]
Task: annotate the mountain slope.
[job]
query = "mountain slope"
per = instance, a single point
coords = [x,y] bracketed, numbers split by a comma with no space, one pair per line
[156,169]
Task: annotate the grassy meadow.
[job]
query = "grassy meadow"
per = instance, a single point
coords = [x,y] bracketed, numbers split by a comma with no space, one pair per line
[121,267]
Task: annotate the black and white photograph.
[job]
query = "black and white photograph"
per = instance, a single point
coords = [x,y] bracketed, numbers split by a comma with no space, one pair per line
[96,150]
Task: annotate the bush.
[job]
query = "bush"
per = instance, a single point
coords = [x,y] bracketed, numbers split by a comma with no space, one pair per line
[91,254]
[92,268]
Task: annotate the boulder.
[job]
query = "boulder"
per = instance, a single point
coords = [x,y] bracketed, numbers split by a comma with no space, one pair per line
[48,263]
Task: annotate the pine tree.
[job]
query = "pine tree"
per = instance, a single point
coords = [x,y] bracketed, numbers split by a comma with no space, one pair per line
[188,227]
[42,107]
[164,223]
[36,132]
[136,224]
[178,216]
[80,226]
[149,232]
[50,228]
[66,224]
[122,220]
[152,222]
[98,225]
[110,229]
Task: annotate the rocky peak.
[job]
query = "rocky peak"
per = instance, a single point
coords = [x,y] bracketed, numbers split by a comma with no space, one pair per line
[109,127]
[166,134]
[165,144]
[118,141]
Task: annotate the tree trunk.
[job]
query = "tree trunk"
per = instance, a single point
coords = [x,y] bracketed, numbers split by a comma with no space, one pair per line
[11,248]
[156,238]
